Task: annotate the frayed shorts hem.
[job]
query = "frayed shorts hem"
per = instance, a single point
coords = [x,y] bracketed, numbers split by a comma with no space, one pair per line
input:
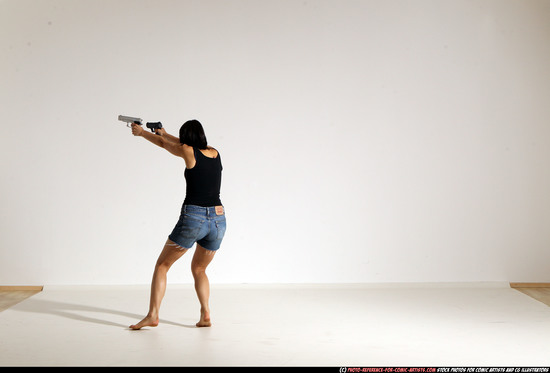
[183,247]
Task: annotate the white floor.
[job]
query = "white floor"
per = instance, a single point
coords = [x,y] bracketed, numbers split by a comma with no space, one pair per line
[280,325]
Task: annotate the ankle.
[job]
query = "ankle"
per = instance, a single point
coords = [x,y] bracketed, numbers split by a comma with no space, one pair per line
[153,316]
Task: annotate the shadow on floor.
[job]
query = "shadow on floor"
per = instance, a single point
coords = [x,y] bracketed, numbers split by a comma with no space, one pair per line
[75,312]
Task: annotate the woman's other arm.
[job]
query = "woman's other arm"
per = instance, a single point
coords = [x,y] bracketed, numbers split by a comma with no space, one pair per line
[138,130]
[170,143]
[168,137]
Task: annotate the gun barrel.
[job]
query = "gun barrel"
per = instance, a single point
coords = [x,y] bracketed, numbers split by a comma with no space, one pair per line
[126,119]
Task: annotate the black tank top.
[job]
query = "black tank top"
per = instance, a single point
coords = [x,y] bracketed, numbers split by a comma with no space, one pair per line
[203,181]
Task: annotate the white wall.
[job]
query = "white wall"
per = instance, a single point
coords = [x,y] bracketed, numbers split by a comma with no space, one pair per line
[362,141]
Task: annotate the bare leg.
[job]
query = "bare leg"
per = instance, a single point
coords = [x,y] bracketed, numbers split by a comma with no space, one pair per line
[201,259]
[167,257]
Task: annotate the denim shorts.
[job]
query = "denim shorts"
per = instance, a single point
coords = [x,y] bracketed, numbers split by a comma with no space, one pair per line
[201,225]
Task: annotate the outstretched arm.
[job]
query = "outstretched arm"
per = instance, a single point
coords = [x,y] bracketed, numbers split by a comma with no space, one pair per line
[165,136]
[168,137]
[159,138]
[137,130]
[170,143]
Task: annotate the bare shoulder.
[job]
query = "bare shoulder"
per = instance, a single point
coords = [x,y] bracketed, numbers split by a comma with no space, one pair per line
[210,152]
[187,149]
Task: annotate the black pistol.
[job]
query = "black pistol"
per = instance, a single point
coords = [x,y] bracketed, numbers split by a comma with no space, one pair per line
[133,120]
[154,126]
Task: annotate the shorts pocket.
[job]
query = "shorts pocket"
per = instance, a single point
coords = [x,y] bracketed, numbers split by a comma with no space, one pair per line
[191,226]
[220,228]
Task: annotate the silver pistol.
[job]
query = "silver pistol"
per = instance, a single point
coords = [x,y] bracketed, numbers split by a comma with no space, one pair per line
[129,120]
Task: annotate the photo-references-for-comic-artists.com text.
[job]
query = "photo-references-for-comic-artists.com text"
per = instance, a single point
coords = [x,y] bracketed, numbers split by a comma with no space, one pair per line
[445,370]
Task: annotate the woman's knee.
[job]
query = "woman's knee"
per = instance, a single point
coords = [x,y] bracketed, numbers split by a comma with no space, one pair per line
[170,254]
[201,260]
[197,269]
[162,267]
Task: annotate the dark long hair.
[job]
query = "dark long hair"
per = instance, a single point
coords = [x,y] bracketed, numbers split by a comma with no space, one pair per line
[192,134]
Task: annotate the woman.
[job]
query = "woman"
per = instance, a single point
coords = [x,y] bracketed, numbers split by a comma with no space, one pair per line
[202,218]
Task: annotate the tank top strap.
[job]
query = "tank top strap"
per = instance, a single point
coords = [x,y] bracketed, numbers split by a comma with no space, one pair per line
[197,154]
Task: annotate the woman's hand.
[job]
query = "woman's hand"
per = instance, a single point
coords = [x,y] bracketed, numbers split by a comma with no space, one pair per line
[137,130]
[160,131]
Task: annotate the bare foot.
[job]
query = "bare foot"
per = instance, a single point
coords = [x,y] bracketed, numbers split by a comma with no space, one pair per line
[147,321]
[204,322]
